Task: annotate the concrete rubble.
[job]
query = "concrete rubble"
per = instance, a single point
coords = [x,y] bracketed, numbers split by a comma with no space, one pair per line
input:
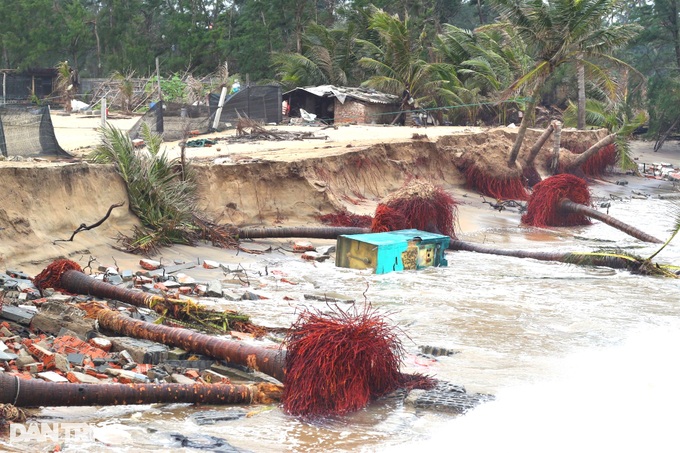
[48,337]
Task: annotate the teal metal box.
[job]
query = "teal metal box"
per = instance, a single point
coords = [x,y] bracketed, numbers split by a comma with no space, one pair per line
[391,251]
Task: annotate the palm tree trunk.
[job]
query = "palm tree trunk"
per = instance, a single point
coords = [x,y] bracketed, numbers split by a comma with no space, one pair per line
[581,75]
[299,232]
[562,257]
[662,138]
[268,361]
[577,208]
[557,143]
[533,152]
[184,310]
[521,132]
[35,393]
[582,158]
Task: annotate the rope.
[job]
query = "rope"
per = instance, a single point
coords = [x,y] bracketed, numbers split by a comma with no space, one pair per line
[18,388]
[10,413]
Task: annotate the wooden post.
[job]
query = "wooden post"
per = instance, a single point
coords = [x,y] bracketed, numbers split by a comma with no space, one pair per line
[220,104]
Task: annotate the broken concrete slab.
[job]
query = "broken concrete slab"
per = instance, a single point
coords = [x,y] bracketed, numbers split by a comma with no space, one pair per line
[126,374]
[331,297]
[51,376]
[16,314]
[168,270]
[181,379]
[83,378]
[141,351]
[214,289]
[6,356]
[325,249]
[56,316]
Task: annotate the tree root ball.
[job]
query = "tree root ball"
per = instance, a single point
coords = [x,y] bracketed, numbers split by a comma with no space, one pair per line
[543,208]
[419,205]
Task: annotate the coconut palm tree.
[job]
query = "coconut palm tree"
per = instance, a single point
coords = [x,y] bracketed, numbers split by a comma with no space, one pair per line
[559,32]
[485,61]
[618,118]
[399,59]
[329,56]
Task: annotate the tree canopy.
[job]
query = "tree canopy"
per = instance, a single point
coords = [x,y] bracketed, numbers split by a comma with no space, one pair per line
[459,56]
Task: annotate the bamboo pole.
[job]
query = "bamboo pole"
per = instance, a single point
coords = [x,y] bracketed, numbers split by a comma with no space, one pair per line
[34,392]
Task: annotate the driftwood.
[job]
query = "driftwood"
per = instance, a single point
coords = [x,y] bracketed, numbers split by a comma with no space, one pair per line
[84,227]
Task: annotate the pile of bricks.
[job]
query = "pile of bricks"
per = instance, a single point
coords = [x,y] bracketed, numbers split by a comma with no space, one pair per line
[67,358]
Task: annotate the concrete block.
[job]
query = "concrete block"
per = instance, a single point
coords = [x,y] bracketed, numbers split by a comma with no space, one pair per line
[17,315]
[325,249]
[61,363]
[181,379]
[22,361]
[76,359]
[84,378]
[139,348]
[126,374]
[6,356]
[51,376]
[214,289]
[177,354]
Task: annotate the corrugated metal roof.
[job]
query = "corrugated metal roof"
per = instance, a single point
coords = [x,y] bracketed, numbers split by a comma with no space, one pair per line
[368,95]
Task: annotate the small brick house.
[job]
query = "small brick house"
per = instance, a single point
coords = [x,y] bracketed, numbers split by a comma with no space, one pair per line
[333,104]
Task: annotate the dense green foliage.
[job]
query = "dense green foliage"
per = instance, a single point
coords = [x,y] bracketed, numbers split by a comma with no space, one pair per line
[463,55]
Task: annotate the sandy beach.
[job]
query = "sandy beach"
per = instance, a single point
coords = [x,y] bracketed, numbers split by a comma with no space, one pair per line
[265,182]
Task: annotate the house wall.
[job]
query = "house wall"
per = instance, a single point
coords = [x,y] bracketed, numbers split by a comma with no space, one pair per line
[357,112]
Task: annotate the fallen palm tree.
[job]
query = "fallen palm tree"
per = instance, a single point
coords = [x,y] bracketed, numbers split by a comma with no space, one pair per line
[357,354]
[299,232]
[493,178]
[420,205]
[615,259]
[66,275]
[334,363]
[528,169]
[562,200]
[21,392]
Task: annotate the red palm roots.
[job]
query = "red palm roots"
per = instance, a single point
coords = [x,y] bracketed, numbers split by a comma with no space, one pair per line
[336,363]
[422,206]
[543,208]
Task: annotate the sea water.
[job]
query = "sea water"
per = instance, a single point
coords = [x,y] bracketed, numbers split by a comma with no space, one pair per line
[578,358]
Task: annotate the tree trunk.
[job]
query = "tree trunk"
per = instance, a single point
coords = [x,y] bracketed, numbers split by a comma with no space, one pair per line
[268,361]
[35,392]
[577,208]
[521,132]
[582,158]
[614,262]
[557,143]
[182,309]
[581,75]
[299,232]
[662,137]
[533,152]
